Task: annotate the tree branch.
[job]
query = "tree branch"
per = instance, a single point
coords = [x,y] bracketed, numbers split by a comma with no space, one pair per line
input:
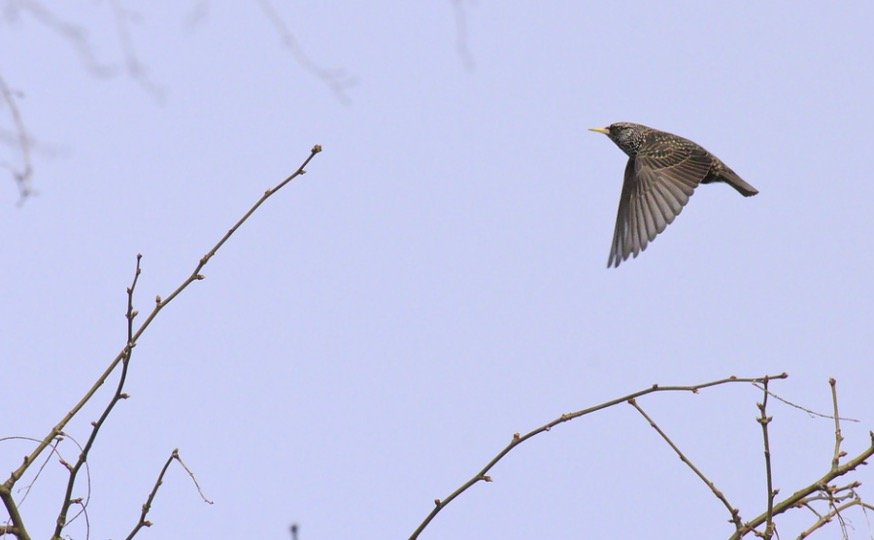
[798,498]
[732,510]
[123,357]
[143,522]
[23,174]
[764,420]
[518,439]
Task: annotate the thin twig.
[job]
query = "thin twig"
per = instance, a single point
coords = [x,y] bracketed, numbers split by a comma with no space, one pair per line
[764,420]
[75,35]
[193,478]
[6,487]
[23,175]
[143,522]
[733,512]
[482,476]
[838,437]
[801,495]
[826,518]
[119,395]
[336,79]
[135,69]
[801,408]
[54,451]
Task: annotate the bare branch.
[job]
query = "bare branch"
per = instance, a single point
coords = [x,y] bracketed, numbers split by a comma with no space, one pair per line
[23,174]
[734,513]
[482,476]
[143,522]
[838,437]
[75,35]
[764,420]
[336,79]
[825,519]
[193,478]
[800,496]
[123,357]
[119,394]
[135,69]
[800,408]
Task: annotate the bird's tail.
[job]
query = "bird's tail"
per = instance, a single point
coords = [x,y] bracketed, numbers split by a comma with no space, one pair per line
[732,179]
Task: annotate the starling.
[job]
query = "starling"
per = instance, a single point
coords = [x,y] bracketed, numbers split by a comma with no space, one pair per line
[663,171]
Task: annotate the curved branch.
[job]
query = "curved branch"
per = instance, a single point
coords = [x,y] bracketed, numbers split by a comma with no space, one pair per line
[482,476]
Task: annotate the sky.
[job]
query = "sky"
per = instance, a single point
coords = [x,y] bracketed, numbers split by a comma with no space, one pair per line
[437,281]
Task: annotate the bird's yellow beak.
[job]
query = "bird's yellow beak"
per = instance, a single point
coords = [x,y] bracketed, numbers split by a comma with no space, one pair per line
[605,131]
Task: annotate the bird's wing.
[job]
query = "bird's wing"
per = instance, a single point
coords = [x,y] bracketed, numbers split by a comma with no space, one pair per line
[658,183]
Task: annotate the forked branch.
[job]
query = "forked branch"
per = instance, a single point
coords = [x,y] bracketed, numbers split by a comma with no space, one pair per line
[517,439]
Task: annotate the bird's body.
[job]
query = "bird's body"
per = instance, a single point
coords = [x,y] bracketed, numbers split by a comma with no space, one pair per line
[663,171]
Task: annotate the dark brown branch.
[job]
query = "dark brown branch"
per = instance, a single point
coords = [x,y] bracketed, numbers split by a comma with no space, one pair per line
[482,476]
[733,512]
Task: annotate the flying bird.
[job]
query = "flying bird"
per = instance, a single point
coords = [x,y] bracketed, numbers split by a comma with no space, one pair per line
[663,171]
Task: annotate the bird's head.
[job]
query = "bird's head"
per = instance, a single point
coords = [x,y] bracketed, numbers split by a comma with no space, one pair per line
[626,135]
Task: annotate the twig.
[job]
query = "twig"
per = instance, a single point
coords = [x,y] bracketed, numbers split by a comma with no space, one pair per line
[6,487]
[801,495]
[825,519]
[83,510]
[193,478]
[838,437]
[764,420]
[801,408]
[54,451]
[135,69]
[336,79]
[24,174]
[75,35]
[143,522]
[119,395]
[482,476]
[732,510]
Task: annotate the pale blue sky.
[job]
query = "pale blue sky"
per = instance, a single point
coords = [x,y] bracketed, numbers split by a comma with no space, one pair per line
[437,281]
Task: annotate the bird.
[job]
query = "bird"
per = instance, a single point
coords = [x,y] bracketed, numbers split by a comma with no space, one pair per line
[662,172]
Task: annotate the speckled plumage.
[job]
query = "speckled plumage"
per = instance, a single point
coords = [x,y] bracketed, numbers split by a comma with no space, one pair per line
[663,171]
